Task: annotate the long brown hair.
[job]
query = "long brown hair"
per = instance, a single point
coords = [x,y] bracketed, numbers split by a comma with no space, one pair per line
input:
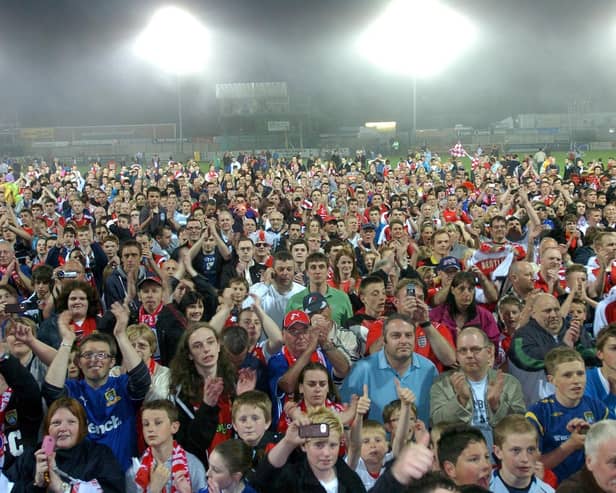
[184,374]
[345,252]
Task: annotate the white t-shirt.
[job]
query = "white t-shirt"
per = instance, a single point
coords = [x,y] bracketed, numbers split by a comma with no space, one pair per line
[330,486]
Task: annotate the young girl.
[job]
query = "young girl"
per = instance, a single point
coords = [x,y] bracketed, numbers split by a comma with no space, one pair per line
[229,463]
[315,390]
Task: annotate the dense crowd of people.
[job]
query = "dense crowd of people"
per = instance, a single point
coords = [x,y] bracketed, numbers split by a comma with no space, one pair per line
[309,325]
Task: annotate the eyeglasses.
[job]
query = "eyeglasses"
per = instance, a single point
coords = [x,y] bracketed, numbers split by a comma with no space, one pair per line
[261,245]
[97,356]
[475,350]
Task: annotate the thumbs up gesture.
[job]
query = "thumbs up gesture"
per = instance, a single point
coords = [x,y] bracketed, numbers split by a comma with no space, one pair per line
[414,461]
[363,403]
[405,395]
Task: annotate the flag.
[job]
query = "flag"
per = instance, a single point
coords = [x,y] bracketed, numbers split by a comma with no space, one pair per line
[475,162]
[457,150]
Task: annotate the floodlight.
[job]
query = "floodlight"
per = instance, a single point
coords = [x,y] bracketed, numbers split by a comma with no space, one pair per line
[175,41]
[418,38]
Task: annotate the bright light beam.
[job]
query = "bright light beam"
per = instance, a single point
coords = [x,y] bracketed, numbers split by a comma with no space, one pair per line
[175,41]
[417,38]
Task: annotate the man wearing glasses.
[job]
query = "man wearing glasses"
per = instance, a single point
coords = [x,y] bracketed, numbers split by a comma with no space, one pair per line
[475,394]
[303,343]
[110,402]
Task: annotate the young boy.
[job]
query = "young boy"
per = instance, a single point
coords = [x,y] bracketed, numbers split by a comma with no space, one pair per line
[373,453]
[601,381]
[516,445]
[164,466]
[464,457]
[251,416]
[563,418]
[391,420]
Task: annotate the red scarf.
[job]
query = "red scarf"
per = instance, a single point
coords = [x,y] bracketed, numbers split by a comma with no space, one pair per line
[179,464]
[152,367]
[149,319]
[284,421]
[87,327]
[316,357]
[4,402]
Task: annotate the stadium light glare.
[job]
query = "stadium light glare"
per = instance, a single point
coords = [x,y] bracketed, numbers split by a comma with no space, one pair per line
[417,38]
[175,41]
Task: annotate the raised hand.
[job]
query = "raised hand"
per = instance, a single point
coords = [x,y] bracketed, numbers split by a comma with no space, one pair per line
[414,461]
[64,327]
[406,395]
[212,390]
[495,390]
[363,404]
[572,335]
[246,380]
[121,314]
[460,387]
[349,414]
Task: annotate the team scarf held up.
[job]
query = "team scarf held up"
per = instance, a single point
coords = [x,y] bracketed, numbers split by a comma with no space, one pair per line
[179,465]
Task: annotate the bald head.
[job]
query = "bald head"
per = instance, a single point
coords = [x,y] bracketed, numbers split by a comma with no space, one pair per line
[521,275]
[546,243]
[546,311]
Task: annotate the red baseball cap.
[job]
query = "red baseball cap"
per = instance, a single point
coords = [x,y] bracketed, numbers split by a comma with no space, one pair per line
[295,317]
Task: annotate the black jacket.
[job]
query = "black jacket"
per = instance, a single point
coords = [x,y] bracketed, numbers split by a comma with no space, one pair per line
[24,411]
[85,461]
[297,477]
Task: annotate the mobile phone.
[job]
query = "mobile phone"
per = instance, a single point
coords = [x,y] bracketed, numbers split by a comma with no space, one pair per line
[410,289]
[13,308]
[49,444]
[317,430]
[66,274]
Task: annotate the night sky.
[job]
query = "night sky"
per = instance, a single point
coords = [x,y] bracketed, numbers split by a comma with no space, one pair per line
[69,62]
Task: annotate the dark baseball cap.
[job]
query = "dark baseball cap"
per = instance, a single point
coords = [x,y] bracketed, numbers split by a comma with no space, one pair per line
[314,302]
[150,278]
[447,263]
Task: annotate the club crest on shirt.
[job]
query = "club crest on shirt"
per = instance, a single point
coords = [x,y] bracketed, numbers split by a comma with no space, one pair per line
[11,417]
[422,341]
[589,417]
[111,397]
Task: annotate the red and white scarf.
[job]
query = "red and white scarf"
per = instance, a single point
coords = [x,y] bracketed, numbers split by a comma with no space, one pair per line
[4,402]
[316,357]
[179,464]
[149,319]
